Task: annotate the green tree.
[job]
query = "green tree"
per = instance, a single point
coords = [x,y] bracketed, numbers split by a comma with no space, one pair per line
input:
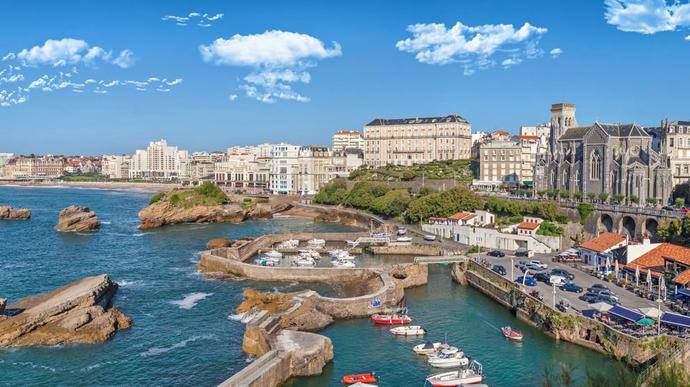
[663,230]
[443,203]
[363,193]
[578,196]
[549,229]
[584,209]
[564,194]
[392,204]
[619,198]
[603,196]
[679,202]
[634,199]
[591,196]
[652,201]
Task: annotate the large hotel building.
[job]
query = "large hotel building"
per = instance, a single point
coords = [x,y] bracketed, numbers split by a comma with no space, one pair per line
[410,141]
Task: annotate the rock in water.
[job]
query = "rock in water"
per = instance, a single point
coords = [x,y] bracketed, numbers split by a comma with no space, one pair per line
[164,213]
[12,213]
[76,219]
[218,243]
[3,303]
[80,312]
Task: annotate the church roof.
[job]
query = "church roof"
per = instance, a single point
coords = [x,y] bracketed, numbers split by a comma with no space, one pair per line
[613,130]
[575,133]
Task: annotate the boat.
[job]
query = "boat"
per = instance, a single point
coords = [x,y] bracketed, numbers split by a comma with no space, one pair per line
[471,375]
[264,262]
[369,377]
[273,254]
[402,231]
[309,253]
[448,349]
[391,319]
[343,263]
[381,235]
[351,243]
[305,262]
[427,348]
[448,359]
[408,330]
[288,244]
[430,237]
[404,239]
[509,333]
[360,384]
[316,243]
[341,254]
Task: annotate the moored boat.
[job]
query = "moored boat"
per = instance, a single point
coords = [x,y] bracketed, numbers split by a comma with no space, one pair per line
[368,377]
[402,231]
[511,334]
[427,348]
[472,375]
[448,359]
[409,330]
[316,243]
[343,263]
[273,254]
[404,239]
[430,237]
[391,319]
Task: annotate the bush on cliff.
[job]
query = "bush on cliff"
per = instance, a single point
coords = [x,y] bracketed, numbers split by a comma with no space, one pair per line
[207,194]
[157,197]
[332,193]
[392,204]
[364,193]
[443,204]
[547,210]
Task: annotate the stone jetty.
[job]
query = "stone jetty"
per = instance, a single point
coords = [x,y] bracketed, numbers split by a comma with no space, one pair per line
[77,219]
[80,312]
[13,213]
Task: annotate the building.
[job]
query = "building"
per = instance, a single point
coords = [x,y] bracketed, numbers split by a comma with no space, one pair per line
[34,167]
[347,139]
[500,163]
[464,218]
[542,131]
[607,245]
[5,158]
[675,142]
[529,226]
[159,162]
[662,259]
[409,141]
[615,159]
[116,166]
[244,169]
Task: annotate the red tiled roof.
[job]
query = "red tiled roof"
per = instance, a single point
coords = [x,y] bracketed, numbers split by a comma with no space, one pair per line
[529,225]
[462,216]
[603,242]
[501,132]
[526,137]
[654,259]
[682,278]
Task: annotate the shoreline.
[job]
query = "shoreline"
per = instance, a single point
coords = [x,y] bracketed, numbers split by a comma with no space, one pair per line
[100,185]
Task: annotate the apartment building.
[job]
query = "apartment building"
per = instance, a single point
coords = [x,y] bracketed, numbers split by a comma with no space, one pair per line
[409,141]
[675,142]
[45,167]
[347,139]
[116,166]
[159,161]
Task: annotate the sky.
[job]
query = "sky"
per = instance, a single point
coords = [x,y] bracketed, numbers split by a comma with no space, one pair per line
[107,77]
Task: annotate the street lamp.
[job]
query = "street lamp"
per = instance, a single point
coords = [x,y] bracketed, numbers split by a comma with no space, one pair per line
[658,303]
[512,268]
[554,295]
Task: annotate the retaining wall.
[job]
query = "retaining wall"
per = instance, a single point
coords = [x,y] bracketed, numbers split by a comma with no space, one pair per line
[251,247]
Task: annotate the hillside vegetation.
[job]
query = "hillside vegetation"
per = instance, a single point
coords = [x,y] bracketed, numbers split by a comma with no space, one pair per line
[459,170]
[206,194]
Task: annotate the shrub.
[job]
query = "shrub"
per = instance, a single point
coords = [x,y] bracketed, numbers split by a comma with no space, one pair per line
[603,196]
[591,196]
[175,199]
[549,229]
[364,193]
[392,204]
[634,199]
[444,203]
[157,197]
[584,209]
[651,201]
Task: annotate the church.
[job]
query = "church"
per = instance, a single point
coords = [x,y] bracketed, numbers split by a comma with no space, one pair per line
[617,159]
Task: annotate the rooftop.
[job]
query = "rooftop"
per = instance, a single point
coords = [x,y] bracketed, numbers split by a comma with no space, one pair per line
[462,216]
[417,120]
[603,242]
[529,225]
[654,259]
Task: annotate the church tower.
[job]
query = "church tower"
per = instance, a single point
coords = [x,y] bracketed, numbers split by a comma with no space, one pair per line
[562,118]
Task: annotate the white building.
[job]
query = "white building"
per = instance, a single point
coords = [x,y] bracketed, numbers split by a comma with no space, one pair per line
[347,139]
[243,169]
[5,158]
[116,167]
[159,161]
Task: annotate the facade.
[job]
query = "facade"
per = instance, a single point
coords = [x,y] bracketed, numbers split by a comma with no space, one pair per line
[542,131]
[616,159]
[159,161]
[675,142]
[500,163]
[45,167]
[529,226]
[411,141]
[243,169]
[595,252]
[5,158]
[116,167]
[347,139]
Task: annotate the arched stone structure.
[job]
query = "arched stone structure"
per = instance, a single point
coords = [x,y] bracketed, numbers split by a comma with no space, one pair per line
[628,226]
[649,228]
[605,223]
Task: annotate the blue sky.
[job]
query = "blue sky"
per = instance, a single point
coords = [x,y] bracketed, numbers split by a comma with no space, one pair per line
[327,66]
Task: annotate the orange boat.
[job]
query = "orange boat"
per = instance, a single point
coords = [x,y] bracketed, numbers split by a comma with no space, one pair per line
[359,378]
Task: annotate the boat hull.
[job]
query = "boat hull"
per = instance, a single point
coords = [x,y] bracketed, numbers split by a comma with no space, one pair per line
[390,320]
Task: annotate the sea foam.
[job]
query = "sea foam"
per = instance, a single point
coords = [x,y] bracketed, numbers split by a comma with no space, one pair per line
[190,300]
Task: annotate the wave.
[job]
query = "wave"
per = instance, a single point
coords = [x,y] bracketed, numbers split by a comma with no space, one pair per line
[153,351]
[190,300]
[243,317]
[126,283]
[34,365]
[106,222]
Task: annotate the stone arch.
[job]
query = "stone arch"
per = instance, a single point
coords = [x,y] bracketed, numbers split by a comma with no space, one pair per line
[605,223]
[627,226]
[650,227]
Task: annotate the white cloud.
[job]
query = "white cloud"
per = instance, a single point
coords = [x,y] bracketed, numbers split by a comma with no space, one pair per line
[647,16]
[556,52]
[202,20]
[473,47]
[125,59]
[278,59]
[232,97]
[687,38]
[67,51]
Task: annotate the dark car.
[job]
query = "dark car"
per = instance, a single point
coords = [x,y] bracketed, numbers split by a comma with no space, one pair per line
[563,273]
[613,300]
[572,288]
[499,269]
[496,253]
[589,298]
[542,276]
[528,281]
[597,287]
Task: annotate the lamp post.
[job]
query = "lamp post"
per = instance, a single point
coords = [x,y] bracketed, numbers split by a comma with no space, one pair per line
[512,268]
[658,303]
[554,295]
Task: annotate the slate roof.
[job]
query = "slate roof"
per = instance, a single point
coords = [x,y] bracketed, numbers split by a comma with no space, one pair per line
[417,120]
[613,130]
[575,133]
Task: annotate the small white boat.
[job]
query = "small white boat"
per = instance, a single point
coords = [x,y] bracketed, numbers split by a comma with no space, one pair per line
[410,330]
[316,243]
[448,359]
[430,237]
[427,348]
[404,239]
[343,263]
[447,349]
[288,244]
[309,253]
[402,231]
[381,235]
[305,262]
[352,243]
[471,375]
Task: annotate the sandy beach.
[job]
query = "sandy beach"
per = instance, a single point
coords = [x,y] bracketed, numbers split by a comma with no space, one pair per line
[128,186]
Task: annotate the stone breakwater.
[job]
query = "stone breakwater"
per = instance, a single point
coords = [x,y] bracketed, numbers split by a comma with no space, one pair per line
[573,328]
[12,213]
[80,312]
[77,219]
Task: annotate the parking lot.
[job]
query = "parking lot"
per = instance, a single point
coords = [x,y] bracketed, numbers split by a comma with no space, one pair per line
[582,279]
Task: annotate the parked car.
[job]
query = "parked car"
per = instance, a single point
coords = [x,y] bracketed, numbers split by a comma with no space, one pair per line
[496,253]
[538,263]
[533,267]
[563,273]
[528,281]
[499,269]
[613,300]
[570,287]
[597,286]
[563,305]
[557,280]
[542,276]
[524,253]
[589,298]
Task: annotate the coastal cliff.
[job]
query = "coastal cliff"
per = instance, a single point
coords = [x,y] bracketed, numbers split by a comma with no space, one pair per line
[13,213]
[80,312]
[77,219]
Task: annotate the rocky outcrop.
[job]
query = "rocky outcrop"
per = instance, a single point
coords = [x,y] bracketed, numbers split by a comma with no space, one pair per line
[410,274]
[3,303]
[309,352]
[80,312]
[165,213]
[12,213]
[77,219]
[218,243]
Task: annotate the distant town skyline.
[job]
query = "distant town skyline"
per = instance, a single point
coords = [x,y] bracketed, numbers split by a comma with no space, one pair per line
[107,80]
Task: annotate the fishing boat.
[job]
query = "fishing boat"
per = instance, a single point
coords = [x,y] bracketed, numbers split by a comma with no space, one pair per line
[288,244]
[448,359]
[305,262]
[369,377]
[409,330]
[343,263]
[471,375]
[430,237]
[273,254]
[316,243]
[391,319]
[427,348]
[509,333]
[404,239]
[402,231]
[309,253]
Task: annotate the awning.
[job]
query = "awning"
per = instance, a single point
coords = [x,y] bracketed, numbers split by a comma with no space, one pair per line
[625,313]
[676,319]
[684,291]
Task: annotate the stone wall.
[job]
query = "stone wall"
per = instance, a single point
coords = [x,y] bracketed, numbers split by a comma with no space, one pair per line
[407,249]
[252,247]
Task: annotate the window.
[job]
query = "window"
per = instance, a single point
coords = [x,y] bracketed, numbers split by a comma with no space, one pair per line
[670,142]
[595,166]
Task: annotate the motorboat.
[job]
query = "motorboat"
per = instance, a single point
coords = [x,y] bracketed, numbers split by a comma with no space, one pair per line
[264,262]
[402,231]
[511,334]
[368,377]
[343,263]
[429,237]
[404,239]
[288,244]
[408,330]
[427,348]
[305,262]
[391,319]
[316,243]
[471,375]
[309,253]
[341,254]
[448,359]
[273,254]
[381,235]
[448,350]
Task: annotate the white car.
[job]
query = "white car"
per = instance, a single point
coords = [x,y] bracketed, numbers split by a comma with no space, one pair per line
[557,280]
[538,264]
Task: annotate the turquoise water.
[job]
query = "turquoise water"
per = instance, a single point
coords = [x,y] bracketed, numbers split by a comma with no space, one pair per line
[175,341]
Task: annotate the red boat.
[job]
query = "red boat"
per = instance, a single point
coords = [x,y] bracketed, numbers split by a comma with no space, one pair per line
[509,333]
[359,378]
[391,319]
